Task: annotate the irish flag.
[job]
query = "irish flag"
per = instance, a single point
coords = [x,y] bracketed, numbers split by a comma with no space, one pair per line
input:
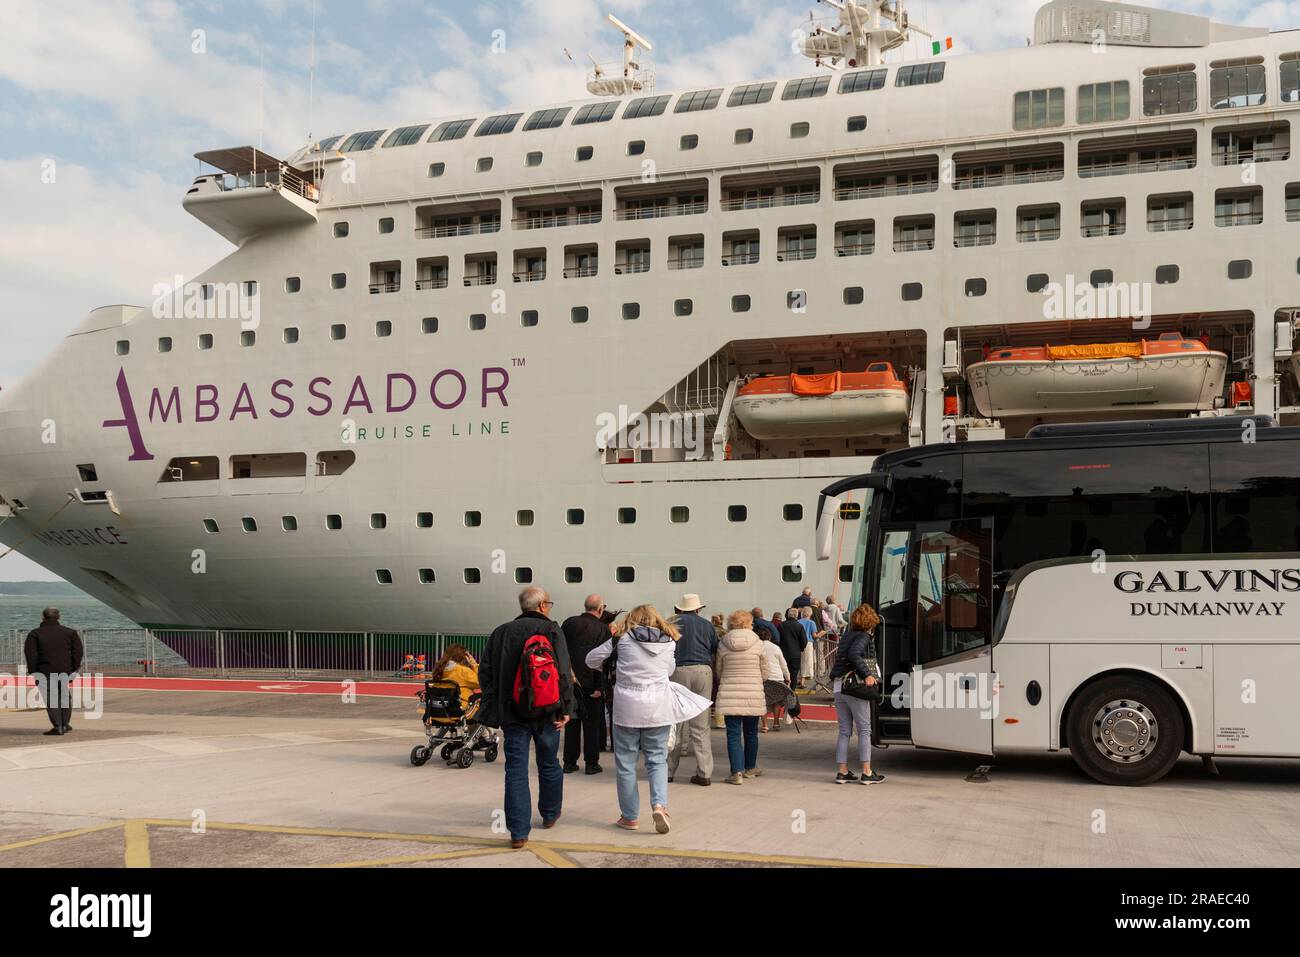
[938,46]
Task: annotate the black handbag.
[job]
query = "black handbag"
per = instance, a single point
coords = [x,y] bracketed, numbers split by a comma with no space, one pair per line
[855,686]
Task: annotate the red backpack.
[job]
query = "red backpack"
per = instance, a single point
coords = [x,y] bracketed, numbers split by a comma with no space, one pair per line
[537,682]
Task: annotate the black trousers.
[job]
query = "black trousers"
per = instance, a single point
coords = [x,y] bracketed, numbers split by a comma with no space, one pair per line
[57,692]
[585,734]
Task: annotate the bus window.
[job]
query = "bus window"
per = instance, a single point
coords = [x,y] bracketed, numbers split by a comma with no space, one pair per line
[1256,497]
[926,489]
[1061,503]
[953,607]
[893,570]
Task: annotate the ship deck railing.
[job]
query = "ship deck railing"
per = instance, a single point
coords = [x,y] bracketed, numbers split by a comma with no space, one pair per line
[855,249]
[1238,219]
[555,220]
[983,180]
[1171,224]
[485,279]
[1038,235]
[1259,154]
[795,255]
[740,259]
[581,272]
[627,269]
[463,229]
[1120,167]
[912,245]
[283,178]
[302,655]
[874,192]
[381,287]
[771,202]
[659,212]
[686,262]
[436,283]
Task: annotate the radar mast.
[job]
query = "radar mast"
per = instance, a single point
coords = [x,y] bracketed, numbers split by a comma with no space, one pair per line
[635,76]
[860,35]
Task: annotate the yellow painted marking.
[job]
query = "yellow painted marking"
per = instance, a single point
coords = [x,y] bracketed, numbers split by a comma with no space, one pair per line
[60,836]
[444,856]
[550,855]
[137,843]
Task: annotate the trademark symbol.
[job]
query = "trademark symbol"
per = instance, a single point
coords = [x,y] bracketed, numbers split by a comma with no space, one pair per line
[519,362]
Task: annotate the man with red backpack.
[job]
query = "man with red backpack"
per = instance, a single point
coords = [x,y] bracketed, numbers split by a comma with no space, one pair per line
[526,679]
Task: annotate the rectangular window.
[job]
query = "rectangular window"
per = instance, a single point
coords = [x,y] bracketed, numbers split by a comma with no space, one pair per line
[806,88]
[497,125]
[1101,102]
[361,141]
[1169,90]
[405,136]
[919,74]
[452,130]
[1236,83]
[751,94]
[698,101]
[1038,109]
[646,106]
[547,119]
[863,80]
[595,113]
[1289,78]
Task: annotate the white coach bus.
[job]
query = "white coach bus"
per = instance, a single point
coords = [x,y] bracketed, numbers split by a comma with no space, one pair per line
[1128,591]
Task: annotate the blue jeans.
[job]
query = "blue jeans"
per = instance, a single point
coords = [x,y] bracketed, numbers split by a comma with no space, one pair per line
[628,743]
[550,778]
[742,758]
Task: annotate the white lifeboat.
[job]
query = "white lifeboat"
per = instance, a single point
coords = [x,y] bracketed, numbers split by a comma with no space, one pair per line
[836,404]
[1170,374]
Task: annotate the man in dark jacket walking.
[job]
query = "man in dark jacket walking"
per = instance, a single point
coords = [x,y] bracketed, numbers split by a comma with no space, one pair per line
[794,638]
[54,655]
[496,675]
[695,651]
[585,733]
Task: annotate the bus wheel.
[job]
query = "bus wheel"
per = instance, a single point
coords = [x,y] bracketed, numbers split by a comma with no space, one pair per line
[1125,730]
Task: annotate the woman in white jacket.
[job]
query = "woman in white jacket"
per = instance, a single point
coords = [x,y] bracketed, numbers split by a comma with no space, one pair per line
[646,706]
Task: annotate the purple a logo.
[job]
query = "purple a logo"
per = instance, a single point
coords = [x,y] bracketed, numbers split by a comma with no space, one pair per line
[129,421]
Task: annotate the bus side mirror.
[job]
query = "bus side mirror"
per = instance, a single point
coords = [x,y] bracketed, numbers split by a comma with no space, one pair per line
[827,509]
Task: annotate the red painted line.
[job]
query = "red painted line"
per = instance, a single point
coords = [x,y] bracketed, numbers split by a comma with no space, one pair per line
[334,689]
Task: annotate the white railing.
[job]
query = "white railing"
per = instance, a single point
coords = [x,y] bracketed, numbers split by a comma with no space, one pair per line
[872,192]
[688,262]
[771,202]
[625,269]
[740,259]
[1261,154]
[580,272]
[1238,219]
[1170,224]
[912,245]
[658,212]
[1112,167]
[855,249]
[965,242]
[381,287]
[463,229]
[555,220]
[1040,235]
[436,283]
[482,279]
[795,255]
[1110,229]
[530,275]
[282,178]
[982,180]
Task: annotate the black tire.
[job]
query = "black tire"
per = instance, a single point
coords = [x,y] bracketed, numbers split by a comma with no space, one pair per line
[1125,730]
[465,757]
[448,750]
[420,756]
[490,754]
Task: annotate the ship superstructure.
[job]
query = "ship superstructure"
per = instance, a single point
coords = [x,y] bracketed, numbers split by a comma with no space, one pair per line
[466,353]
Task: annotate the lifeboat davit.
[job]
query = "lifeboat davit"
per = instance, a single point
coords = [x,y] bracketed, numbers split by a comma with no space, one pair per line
[1170,374]
[833,405]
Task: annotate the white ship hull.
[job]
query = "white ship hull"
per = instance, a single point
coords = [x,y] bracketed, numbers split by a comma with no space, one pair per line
[863,412]
[1009,388]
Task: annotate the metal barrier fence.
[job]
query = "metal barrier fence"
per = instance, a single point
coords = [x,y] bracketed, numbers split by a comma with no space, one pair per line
[226,653]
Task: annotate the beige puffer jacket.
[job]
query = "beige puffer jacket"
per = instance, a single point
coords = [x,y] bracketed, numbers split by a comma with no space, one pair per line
[739,666]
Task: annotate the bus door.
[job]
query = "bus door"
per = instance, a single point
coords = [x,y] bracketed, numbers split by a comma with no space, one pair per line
[951,691]
[894,643]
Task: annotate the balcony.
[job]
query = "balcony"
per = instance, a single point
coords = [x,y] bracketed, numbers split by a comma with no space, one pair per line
[1030,234]
[557,210]
[385,277]
[481,279]
[1169,224]
[795,255]
[530,275]
[901,177]
[913,245]
[1253,218]
[1264,143]
[773,190]
[978,239]
[771,201]
[460,229]
[686,262]
[1016,166]
[740,259]
[581,272]
[450,220]
[855,249]
[1145,153]
[387,286]
[252,193]
[556,219]
[659,212]
[1102,229]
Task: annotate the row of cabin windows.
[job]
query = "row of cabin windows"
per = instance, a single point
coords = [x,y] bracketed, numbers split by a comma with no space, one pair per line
[623,575]
[524,518]
[748,94]
[1234,84]
[688,141]
[1167,90]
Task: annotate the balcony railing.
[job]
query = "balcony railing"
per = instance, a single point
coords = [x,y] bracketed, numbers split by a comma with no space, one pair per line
[439,282]
[1238,219]
[1170,224]
[466,229]
[686,262]
[873,192]
[264,179]
[1293,214]
[481,279]
[740,259]
[580,272]
[965,242]
[982,180]
[1107,229]
[555,220]
[912,245]
[1038,235]
[381,287]
[1117,167]
[530,275]
[795,255]
[770,202]
[657,212]
[855,249]
[1261,154]
[625,269]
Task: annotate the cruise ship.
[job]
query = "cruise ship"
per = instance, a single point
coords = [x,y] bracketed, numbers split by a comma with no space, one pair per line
[619,344]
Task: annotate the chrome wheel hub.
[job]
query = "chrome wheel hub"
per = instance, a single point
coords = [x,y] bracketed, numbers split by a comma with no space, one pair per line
[1125,731]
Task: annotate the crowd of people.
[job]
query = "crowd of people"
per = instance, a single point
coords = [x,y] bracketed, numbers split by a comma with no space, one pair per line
[654,684]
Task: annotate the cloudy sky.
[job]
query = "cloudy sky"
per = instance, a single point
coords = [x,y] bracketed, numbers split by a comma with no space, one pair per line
[104,102]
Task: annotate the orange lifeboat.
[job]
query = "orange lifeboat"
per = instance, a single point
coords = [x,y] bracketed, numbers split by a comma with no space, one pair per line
[832,405]
[1169,374]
